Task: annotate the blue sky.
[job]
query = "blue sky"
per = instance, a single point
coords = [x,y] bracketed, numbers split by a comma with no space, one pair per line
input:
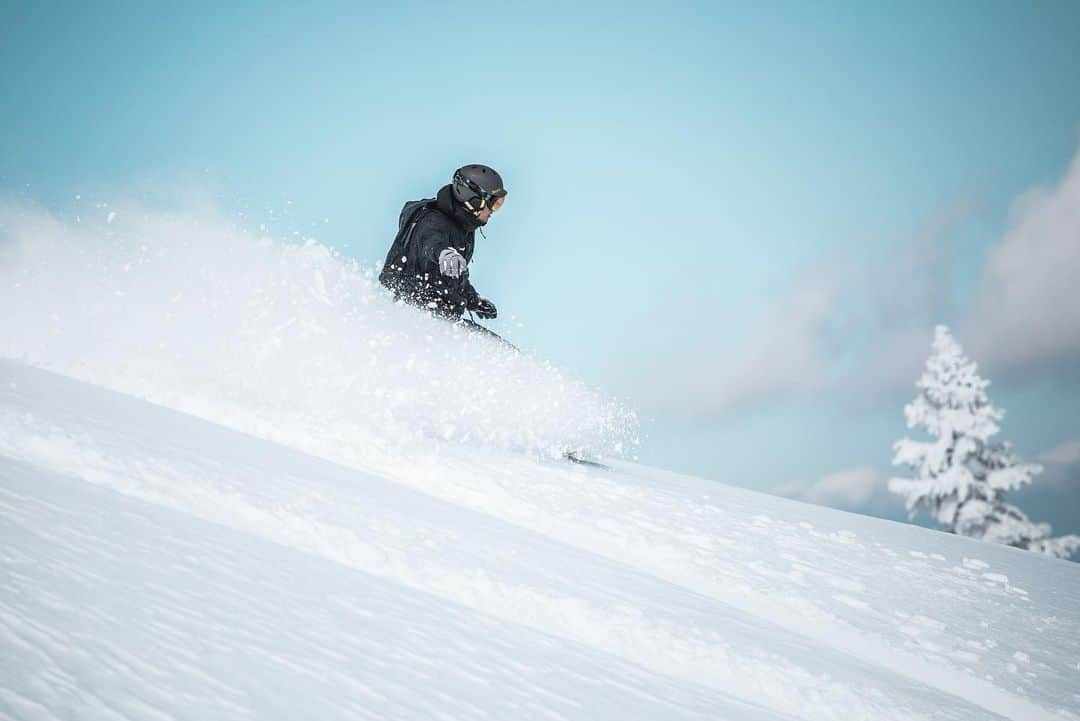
[745,221]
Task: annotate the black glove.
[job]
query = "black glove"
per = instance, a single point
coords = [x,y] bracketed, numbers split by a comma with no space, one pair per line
[484,308]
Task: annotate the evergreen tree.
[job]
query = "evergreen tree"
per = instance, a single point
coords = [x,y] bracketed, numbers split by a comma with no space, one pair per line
[962,476]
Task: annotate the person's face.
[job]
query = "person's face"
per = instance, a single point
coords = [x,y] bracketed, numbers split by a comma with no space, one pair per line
[484,215]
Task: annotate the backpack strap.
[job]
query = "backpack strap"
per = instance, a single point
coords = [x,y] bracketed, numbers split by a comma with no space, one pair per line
[412,219]
[412,226]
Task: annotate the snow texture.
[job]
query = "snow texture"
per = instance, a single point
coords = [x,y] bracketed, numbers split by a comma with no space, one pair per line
[159,563]
[241,503]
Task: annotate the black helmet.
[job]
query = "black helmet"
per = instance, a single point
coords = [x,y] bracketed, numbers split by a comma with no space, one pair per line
[478,186]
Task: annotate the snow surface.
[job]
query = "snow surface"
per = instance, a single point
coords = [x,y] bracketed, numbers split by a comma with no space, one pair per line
[156,563]
[226,493]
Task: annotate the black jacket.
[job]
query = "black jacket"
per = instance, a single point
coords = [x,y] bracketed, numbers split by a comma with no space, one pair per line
[413,275]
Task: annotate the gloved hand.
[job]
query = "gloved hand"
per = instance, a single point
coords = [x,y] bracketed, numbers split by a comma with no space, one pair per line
[485,308]
[452,263]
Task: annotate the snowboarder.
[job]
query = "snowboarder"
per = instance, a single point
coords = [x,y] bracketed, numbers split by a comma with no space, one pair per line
[428,263]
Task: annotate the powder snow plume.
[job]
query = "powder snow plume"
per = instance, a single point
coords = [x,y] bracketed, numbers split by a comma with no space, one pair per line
[289,342]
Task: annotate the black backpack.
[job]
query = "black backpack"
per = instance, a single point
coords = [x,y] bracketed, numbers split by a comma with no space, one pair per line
[397,257]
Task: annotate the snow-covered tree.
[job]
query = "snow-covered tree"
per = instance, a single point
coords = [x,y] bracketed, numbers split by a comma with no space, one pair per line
[961,476]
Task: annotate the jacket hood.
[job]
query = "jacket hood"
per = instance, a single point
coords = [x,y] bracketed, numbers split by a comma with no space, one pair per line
[454,210]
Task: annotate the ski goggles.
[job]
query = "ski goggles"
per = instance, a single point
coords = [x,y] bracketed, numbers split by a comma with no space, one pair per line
[493,200]
[483,199]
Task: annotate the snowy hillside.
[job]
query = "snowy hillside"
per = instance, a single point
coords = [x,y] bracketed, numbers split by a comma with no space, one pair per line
[160,564]
[236,482]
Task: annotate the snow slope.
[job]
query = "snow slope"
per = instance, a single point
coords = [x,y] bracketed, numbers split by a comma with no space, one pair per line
[156,563]
[236,481]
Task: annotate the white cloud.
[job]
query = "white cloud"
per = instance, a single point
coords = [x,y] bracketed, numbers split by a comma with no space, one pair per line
[783,355]
[843,489]
[846,327]
[1064,454]
[842,327]
[861,328]
[737,356]
[867,328]
[1028,309]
